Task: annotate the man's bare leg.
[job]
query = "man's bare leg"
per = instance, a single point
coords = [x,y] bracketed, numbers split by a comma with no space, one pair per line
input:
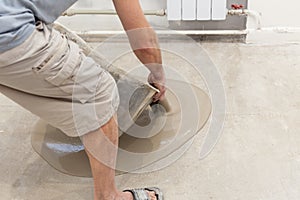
[101,147]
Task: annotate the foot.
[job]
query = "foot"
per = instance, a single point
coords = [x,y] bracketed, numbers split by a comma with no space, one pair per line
[128,196]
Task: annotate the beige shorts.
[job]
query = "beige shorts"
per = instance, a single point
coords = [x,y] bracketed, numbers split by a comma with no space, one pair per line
[51,77]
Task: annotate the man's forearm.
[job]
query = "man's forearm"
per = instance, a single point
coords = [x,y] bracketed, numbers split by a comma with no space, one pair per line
[143,41]
[145,46]
[142,37]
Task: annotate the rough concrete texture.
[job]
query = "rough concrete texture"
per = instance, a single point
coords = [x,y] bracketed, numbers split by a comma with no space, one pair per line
[257,157]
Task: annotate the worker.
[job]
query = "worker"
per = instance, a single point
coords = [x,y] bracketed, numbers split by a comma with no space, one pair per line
[39,61]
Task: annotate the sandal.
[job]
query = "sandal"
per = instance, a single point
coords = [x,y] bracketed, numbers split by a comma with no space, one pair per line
[142,194]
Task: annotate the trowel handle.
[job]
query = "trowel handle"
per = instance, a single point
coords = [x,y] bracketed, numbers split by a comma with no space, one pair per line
[163,102]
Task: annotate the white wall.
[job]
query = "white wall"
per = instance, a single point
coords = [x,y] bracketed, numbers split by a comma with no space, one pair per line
[102,22]
[277,13]
[106,4]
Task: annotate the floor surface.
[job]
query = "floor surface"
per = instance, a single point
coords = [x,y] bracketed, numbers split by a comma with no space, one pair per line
[257,156]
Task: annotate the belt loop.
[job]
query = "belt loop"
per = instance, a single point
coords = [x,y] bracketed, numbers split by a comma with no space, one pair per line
[39,26]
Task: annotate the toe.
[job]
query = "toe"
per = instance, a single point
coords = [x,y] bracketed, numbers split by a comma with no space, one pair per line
[127,196]
[152,195]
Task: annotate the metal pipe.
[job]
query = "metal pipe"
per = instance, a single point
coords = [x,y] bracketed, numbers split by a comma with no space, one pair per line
[93,36]
[168,32]
[71,12]
[162,12]
[256,15]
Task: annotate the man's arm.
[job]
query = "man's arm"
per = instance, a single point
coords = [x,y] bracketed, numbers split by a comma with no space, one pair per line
[143,41]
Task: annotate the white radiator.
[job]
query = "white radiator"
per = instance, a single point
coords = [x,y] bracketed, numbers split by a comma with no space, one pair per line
[196,9]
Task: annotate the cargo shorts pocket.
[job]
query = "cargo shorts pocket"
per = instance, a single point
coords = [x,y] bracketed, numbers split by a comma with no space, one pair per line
[69,70]
[87,78]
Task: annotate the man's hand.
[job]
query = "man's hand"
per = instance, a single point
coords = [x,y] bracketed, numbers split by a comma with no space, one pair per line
[158,81]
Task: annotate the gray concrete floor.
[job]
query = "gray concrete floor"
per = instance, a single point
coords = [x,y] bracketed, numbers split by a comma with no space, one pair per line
[257,157]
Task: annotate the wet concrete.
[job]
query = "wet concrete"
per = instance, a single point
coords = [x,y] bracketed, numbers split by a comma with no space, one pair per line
[156,134]
[257,156]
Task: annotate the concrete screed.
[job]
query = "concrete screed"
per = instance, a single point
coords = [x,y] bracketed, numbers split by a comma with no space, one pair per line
[257,156]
